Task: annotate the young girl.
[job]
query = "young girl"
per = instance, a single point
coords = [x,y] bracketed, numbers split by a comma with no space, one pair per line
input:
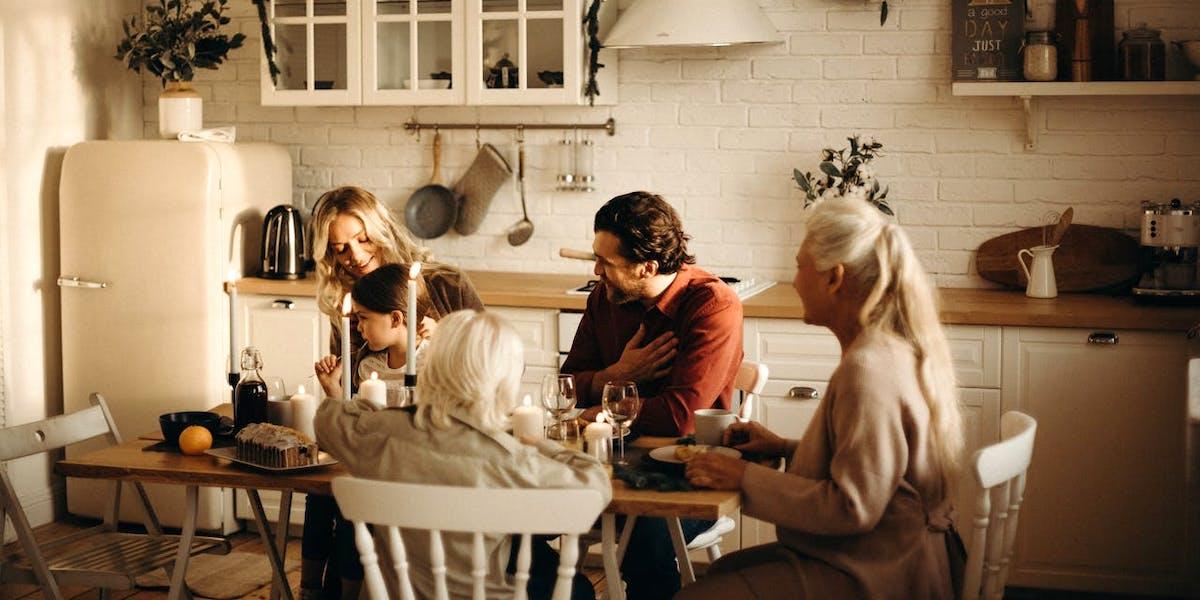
[380,305]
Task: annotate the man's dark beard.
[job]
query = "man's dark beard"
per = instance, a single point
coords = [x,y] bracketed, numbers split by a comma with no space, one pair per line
[619,296]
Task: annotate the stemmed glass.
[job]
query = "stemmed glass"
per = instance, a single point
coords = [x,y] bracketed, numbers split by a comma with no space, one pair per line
[558,396]
[621,401]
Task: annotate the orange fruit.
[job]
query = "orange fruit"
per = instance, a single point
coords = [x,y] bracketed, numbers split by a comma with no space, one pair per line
[195,440]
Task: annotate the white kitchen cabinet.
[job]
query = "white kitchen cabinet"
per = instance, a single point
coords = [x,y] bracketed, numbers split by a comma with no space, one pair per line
[290,332]
[1105,506]
[434,52]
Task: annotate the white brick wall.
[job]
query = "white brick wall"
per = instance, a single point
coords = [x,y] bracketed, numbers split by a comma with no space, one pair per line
[717,131]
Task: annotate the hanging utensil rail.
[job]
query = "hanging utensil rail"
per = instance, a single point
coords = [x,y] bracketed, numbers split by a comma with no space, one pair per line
[609,126]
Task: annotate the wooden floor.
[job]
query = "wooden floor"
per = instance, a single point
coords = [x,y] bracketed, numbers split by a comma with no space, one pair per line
[244,541]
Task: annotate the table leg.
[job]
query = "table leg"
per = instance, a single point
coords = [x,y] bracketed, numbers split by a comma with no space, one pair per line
[612,571]
[281,534]
[264,529]
[681,556]
[179,589]
[626,532]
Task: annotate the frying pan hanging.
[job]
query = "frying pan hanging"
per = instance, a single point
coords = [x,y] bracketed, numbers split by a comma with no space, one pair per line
[432,209]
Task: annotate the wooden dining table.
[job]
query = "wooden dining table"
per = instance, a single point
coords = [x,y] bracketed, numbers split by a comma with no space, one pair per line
[129,461]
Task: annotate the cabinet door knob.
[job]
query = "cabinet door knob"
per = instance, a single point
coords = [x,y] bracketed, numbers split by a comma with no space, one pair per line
[284,304]
[1103,337]
[804,393]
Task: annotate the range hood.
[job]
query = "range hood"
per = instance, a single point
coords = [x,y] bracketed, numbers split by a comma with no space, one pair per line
[652,23]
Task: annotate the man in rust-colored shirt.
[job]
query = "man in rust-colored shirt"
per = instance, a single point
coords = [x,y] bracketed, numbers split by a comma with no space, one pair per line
[670,327]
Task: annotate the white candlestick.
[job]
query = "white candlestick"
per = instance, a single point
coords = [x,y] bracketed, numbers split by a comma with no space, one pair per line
[410,366]
[304,409]
[346,348]
[233,343]
[598,437]
[527,420]
[374,390]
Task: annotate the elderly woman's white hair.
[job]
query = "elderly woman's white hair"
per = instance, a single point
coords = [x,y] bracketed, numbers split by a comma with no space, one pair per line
[896,296]
[473,368]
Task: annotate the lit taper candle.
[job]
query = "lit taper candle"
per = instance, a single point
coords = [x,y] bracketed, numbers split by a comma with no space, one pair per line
[346,347]
[233,343]
[410,367]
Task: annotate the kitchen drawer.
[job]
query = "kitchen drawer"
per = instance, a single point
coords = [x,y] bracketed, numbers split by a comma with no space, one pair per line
[568,322]
[793,349]
[538,329]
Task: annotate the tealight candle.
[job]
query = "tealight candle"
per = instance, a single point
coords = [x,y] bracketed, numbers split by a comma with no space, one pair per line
[304,410]
[346,348]
[598,437]
[374,390]
[527,420]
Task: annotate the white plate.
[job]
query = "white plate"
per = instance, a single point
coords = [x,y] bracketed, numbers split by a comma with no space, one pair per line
[667,453]
[230,453]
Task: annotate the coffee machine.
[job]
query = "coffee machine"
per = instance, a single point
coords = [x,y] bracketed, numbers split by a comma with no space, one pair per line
[1171,235]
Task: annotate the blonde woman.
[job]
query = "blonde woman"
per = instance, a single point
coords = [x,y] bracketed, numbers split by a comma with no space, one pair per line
[454,435]
[863,510]
[353,235]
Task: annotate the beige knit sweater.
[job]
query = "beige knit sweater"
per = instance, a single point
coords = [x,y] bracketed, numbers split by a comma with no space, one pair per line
[861,501]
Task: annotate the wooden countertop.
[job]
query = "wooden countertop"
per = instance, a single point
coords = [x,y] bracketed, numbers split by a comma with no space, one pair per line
[959,306]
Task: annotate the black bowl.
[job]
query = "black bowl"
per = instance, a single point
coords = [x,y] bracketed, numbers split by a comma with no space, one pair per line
[173,424]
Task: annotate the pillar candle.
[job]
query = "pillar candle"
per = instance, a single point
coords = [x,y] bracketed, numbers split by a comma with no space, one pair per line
[304,410]
[374,390]
[410,367]
[527,420]
[346,347]
[598,437]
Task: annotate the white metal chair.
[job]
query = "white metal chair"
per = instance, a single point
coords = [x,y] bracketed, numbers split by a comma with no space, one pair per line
[1000,472]
[750,380]
[437,509]
[96,557]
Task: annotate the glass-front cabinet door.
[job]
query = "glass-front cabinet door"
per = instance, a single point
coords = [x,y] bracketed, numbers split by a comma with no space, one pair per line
[413,52]
[524,51]
[318,53]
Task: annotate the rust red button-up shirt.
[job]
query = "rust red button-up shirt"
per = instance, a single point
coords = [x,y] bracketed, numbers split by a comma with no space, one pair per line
[706,316]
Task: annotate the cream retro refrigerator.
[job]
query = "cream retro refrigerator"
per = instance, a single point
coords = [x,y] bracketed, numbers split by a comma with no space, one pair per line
[148,234]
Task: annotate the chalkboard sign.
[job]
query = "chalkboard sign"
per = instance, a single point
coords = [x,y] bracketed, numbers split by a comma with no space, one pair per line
[986,40]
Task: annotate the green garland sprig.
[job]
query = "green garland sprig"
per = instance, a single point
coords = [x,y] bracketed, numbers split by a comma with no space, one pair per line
[268,43]
[592,21]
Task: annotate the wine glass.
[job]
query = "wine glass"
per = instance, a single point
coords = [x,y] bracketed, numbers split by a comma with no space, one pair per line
[558,396]
[622,404]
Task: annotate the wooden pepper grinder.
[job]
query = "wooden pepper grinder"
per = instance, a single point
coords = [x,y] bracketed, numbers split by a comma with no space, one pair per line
[1086,48]
[1081,54]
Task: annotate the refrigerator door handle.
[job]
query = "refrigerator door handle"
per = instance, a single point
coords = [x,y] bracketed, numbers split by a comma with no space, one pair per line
[80,283]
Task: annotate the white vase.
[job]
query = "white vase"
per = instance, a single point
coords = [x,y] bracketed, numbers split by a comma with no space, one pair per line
[180,108]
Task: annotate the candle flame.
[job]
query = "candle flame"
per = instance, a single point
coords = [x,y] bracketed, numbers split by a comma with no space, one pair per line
[600,418]
[414,270]
[300,390]
[526,401]
[231,274]
[374,375]
[346,305]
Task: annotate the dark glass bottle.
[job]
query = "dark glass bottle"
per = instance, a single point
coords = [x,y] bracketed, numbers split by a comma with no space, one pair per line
[250,395]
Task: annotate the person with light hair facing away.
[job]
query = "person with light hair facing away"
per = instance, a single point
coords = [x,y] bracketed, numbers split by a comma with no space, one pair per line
[863,510]
[454,435]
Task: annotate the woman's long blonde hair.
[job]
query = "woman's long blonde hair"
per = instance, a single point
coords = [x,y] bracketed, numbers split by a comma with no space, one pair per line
[393,244]
[473,366]
[898,298]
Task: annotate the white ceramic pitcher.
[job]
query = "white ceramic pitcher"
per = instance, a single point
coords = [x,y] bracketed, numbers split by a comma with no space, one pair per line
[1041,274]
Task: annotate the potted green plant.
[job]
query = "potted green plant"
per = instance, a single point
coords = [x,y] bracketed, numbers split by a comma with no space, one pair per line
[845,173]
[171,40]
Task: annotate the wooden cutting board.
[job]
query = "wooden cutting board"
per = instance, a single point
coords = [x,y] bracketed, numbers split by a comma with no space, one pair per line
[1088,258]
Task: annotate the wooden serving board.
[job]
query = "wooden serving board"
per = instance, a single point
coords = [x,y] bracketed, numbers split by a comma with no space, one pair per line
[1088,258]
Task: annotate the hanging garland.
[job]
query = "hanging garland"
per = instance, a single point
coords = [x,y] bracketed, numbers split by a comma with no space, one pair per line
[268,43]
[592,21]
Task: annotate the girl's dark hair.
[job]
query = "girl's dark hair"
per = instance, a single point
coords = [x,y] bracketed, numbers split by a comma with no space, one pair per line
[649,229]
[386,289]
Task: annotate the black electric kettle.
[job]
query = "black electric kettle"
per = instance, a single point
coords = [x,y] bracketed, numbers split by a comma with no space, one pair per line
[283,249]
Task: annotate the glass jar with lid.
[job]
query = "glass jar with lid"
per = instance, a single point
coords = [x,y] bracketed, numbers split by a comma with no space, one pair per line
[1040,56]
[1143,55]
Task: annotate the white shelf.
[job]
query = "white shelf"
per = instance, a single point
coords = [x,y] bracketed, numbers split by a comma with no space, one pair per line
[1028,90]
[1072,88]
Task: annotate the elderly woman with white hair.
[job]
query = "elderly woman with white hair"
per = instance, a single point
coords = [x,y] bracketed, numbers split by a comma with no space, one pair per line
[863,510]
[454,435]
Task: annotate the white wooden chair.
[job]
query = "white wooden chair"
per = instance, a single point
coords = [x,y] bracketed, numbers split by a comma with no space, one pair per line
[96,557]
[750,380]
[1000,472]
[437,509]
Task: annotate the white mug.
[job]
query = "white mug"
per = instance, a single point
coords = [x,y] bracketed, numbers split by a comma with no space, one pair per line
[1041,274]
[711,424]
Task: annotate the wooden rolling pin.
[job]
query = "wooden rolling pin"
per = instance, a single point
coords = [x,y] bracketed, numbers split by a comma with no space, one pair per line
[576,254]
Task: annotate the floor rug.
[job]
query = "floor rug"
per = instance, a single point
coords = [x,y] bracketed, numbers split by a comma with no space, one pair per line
[222,577]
